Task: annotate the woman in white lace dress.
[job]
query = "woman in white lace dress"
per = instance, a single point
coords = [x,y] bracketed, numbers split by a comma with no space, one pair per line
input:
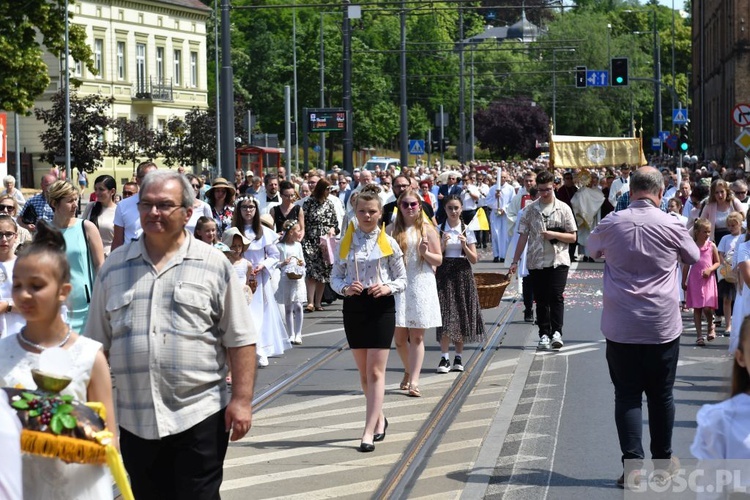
[417,307]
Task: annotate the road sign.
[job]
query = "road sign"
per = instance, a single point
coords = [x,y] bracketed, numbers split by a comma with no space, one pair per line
[416,147]
[671,142]
[597,78]
[743,140]
[663,135]
[741,115]
[655,143]
[679,116]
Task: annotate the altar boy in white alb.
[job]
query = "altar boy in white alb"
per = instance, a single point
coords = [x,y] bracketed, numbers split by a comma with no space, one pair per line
[498,199]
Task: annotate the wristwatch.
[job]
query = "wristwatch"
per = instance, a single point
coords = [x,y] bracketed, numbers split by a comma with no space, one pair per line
[9,309]
[344,290]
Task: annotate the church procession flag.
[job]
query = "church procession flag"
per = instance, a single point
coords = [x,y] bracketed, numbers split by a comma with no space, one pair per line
[568,151]
[479,222]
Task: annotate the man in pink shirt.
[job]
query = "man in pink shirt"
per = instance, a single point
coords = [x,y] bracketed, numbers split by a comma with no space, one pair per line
[641,318]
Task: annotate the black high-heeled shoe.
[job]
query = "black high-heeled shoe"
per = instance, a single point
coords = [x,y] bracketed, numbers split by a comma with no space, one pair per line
[379,437]
[366,447]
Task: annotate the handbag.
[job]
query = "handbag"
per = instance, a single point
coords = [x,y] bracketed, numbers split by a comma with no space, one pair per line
[327,248]
[725,270]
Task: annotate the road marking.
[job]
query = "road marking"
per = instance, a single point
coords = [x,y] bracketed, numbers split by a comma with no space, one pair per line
[322,332]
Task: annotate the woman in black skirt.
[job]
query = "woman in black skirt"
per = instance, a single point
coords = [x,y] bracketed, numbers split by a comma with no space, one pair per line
[457,291]
[368,271]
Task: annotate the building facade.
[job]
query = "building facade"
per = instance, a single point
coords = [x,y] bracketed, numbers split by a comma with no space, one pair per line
[150,55]
[721,76]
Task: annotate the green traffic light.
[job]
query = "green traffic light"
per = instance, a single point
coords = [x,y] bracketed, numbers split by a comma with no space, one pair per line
[684,146]
[619,79]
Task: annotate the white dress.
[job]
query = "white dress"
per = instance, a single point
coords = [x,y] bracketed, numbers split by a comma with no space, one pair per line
[49,478]
[291,291]
[273,339]
[723,430]
[418,305]
[10,323]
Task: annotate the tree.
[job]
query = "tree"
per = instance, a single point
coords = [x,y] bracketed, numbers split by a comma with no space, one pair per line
[26,32]
[510,128]
[134,141]
[88,122]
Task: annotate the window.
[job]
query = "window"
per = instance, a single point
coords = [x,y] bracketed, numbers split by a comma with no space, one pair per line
[160,64]
[177,67]
[77,68]
[193,69]
[98,54]
[140,67]
[161,125]
[120,60]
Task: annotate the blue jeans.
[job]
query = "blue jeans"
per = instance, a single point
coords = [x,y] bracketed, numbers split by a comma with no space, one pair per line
[635,369]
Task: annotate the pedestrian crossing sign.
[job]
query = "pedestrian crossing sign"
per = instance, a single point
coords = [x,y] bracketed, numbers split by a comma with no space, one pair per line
[416,147]
[679,116]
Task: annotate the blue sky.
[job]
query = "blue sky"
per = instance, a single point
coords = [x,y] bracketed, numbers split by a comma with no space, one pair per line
[678,4]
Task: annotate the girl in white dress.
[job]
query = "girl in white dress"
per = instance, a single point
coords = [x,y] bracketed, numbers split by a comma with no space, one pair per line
[10,321]
[721,440]
[263,256]
[292,293]
[41,284]
[417,307]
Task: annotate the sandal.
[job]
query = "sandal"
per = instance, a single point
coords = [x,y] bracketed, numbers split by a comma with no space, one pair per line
[711,334]
[309,308]
[320,308]
[414,391]
[404,383]
[701,342]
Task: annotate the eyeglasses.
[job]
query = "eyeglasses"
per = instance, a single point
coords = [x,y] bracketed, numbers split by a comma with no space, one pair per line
[196,186]
[742,193]
[7,236]
[127,194]
[409,204]
[385,184]
[7,208]
[161,207]
[544,190]
[249,208]
[400,186]
[451,178]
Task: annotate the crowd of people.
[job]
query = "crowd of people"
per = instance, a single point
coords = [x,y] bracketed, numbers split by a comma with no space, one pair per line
[188,284]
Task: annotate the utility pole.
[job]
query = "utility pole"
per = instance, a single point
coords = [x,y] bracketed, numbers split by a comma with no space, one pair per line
[346,99]
[461,85]
[227,98]
[404,136]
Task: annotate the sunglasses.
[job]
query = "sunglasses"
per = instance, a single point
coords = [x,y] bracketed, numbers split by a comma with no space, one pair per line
[409,204]
[6,208]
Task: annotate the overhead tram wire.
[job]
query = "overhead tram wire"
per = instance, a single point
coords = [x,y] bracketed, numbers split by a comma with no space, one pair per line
[400,4]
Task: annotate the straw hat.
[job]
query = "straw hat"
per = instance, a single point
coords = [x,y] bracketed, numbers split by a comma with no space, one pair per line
[221,182]
[228,237]
[267,220]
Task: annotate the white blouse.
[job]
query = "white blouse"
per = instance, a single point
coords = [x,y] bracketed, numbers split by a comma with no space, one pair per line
[366,265]
[723,430]
[453,247]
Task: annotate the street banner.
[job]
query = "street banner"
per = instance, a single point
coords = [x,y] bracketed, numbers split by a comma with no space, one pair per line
[568,151]
[3,138]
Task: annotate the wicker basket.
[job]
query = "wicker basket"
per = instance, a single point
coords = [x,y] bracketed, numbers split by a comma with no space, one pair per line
[490,288]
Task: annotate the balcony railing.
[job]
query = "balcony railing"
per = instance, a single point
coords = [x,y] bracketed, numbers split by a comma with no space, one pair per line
[153,89]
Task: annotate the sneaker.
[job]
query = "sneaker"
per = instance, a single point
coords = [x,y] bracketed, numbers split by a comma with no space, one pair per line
[543,343]
[262,361]
[528,316]
[458,365]
[557,341]
[665,470]
[444,366]
[297,340]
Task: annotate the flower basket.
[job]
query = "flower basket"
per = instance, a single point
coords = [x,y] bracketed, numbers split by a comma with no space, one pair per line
[490,288]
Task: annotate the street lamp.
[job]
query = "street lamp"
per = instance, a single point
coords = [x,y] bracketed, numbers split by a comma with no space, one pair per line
[554,84]
[67,94]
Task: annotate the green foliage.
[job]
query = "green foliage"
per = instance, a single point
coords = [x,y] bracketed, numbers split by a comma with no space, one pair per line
[89,120]
[25,34]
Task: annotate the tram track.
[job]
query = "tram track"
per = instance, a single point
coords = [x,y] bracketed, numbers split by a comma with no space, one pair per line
[406,471]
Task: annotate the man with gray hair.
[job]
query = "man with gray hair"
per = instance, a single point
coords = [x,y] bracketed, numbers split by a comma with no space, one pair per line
[739,187]
[641,317]
[170,313]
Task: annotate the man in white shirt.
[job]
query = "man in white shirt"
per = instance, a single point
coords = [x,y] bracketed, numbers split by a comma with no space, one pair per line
[620,185]
[345,190]
[127,217]
[670,190]
[498,199]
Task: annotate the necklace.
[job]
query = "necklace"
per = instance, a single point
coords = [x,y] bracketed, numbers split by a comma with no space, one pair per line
[38,347]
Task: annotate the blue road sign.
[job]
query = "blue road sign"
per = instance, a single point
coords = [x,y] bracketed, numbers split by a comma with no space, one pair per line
[316,148]
[597,78]
[671,142]
[655,143]
[416,147]
[679,116]
[663,135]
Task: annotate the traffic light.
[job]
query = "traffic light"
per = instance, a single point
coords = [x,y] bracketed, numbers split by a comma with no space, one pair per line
[619,72]
[434,146]
[581,77]
[683,144]
[445,144]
